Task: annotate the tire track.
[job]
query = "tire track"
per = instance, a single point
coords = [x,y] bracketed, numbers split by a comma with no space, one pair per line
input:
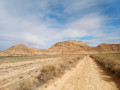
[86,76]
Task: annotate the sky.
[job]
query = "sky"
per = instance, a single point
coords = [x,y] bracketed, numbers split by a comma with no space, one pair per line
[42,23]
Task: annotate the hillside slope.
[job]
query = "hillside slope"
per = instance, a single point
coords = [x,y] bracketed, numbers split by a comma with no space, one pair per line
[20,49]
[108,48]
[64,47]
[78,47]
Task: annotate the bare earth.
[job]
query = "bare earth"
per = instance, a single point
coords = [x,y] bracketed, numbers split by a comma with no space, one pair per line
[86,76]
[13,72]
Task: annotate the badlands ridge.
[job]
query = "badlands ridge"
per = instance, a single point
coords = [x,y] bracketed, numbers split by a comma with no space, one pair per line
[64,47]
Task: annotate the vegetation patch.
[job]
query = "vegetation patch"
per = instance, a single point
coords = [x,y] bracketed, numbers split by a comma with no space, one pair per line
[110,62]
[47,73]
[52,71]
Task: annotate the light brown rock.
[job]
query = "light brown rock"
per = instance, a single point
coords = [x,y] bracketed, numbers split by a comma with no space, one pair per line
[64,47]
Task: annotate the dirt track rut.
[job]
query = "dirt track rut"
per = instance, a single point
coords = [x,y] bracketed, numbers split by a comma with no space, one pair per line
[86,76]
[11,72]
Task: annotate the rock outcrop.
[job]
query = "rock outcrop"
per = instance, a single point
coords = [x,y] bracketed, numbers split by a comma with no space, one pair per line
[64,47]
[78,47]
[109,48]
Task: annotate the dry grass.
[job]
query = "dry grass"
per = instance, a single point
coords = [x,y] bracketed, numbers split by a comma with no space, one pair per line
[51,71]
[4,59]
[111,62]
[47,73]
[24,84]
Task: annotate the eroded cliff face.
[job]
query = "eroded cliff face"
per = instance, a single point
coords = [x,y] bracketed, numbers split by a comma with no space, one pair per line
[78,47]
[109,48]
[64,47]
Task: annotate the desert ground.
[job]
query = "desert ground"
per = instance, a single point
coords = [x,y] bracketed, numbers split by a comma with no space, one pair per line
[21,72]
[13,70]
[86,76]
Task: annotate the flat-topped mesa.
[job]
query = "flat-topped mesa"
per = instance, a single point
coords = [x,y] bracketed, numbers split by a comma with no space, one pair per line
[69,44]
[67,47]
[78,42]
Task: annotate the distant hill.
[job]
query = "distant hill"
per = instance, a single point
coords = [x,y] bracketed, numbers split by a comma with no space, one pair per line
[64,47]
[78,47]
[108,48]
[20,49]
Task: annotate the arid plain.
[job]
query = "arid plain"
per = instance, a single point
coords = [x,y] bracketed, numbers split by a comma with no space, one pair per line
[67,65]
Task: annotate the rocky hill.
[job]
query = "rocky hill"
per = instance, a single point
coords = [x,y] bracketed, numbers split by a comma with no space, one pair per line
[78,47]
[64,47]
[109,48]
[20,49]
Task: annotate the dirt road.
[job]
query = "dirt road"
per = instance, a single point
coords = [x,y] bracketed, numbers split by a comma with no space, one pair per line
[86,76]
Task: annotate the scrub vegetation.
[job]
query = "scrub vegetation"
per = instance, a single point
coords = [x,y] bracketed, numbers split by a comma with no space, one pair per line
[111,62]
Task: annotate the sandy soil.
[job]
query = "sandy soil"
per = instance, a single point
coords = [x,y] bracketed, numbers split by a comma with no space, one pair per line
[13,72]
[86,76]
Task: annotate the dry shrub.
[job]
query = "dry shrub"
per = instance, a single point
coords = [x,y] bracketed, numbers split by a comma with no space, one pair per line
[113,66]
[24,84]
[48,72]
[73,61]
[51,71]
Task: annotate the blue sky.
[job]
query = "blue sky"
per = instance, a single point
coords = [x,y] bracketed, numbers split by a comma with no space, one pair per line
[41,23]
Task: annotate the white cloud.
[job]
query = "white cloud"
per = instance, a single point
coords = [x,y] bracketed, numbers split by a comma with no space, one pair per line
[28,22]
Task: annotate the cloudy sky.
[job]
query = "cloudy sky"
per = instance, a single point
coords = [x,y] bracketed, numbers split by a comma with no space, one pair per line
[41,23]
